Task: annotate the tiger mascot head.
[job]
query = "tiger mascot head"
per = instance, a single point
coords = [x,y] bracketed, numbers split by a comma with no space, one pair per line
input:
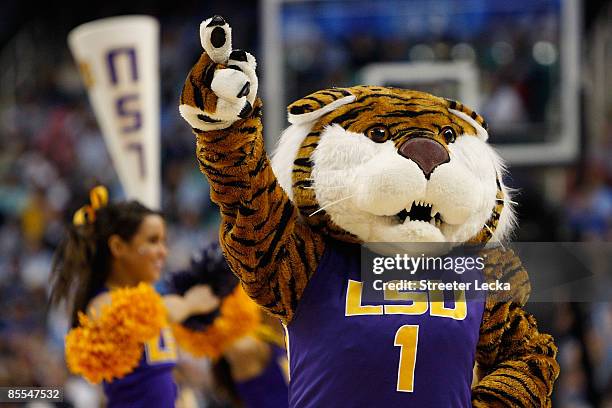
[378,164]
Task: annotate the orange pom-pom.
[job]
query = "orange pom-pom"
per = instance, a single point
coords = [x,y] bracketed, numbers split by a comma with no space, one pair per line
[135,313]
[239,316]
[98,355]
[110,346]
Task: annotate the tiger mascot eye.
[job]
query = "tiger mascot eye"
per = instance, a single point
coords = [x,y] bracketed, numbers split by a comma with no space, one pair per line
[357,165]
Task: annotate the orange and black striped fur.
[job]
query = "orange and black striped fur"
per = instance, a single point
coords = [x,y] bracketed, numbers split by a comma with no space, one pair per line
[274,244]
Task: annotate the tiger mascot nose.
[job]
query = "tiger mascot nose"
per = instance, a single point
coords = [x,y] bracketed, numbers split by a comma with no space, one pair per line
[425,152]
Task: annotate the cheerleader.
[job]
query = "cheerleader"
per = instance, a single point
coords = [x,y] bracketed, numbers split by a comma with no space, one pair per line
[121,334]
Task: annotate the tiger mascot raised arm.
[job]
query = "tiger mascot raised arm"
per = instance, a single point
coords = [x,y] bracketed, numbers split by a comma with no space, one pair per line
[364,164]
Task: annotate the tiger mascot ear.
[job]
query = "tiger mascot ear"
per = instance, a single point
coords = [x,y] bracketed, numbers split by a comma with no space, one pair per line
[470,116]
[317,104]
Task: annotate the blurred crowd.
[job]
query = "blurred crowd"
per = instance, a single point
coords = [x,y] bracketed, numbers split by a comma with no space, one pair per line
[51,152]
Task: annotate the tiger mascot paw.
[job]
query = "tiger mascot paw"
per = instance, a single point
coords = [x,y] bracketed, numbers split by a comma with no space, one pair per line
[222,86]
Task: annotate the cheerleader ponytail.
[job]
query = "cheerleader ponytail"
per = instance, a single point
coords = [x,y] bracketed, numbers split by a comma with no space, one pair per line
[72,274]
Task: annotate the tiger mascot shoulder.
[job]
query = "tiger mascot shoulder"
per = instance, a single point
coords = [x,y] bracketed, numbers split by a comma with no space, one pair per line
[365,164]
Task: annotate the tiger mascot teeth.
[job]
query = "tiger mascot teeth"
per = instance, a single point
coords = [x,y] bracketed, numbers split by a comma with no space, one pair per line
[365,164]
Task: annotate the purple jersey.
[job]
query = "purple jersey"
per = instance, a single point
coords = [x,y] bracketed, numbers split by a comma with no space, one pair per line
[346,352]
[151,384]
[269,389]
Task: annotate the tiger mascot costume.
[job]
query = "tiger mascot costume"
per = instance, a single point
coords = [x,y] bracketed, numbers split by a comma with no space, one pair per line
[364,164]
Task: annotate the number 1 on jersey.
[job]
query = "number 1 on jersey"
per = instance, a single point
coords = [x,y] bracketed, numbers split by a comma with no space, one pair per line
[407,338]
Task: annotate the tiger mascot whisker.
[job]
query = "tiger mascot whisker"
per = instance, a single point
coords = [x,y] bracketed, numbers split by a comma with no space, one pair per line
[416,168]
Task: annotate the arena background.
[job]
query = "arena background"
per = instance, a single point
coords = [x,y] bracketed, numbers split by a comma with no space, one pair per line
[51,150]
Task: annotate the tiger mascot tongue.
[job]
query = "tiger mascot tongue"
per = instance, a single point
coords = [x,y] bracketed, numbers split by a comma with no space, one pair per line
[365,164]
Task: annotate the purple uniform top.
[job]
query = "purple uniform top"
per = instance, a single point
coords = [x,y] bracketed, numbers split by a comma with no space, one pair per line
[269,389]
[346,352]
[151,384]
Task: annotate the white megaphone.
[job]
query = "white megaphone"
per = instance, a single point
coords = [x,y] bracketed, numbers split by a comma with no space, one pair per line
[118,59]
